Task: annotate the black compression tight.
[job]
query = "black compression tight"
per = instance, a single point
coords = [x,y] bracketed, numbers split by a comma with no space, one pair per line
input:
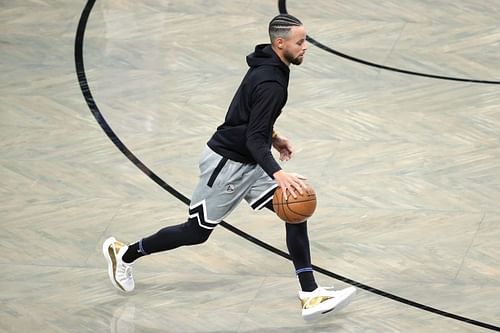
[297,242]
[168,238]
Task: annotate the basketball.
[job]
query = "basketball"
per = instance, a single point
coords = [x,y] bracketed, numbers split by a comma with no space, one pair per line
[294,210]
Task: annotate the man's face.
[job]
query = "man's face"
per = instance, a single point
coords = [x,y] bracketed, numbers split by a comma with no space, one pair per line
[295,46]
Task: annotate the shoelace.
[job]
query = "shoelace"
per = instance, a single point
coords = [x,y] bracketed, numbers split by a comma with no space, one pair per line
[126,270]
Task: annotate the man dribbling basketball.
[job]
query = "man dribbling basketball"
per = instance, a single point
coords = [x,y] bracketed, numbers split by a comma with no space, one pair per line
[237,164]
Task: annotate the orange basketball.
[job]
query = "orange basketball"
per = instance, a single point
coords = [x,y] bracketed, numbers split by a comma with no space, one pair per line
[295,210]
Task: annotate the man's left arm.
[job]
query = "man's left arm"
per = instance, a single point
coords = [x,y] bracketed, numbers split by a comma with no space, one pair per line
[268,99]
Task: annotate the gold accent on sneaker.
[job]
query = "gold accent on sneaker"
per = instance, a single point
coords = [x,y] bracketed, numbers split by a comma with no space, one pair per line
[314,301]
[113,250]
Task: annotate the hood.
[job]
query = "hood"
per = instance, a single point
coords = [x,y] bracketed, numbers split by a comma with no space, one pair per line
[264,55]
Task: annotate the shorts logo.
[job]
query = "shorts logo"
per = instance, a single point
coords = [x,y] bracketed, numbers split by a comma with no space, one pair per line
[230,188]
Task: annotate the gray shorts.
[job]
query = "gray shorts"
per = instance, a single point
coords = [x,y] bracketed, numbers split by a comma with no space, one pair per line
[223,184]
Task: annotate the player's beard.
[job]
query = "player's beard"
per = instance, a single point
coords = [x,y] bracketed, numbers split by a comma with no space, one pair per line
[293,60]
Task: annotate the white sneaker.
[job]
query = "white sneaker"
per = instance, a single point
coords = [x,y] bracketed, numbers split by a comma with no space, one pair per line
[120,273]
[322,301]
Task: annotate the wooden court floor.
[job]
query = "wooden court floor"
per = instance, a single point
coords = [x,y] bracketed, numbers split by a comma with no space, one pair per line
[406,167]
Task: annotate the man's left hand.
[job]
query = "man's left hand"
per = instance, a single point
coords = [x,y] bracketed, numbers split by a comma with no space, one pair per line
[284,147]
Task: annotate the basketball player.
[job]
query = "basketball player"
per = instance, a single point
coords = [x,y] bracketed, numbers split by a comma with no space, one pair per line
[237,164]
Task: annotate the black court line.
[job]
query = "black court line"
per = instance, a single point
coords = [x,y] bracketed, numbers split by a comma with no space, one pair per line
[282,9]
[82,79]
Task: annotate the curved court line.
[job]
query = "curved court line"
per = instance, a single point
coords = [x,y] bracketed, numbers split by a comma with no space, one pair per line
[82,80]
[283,10]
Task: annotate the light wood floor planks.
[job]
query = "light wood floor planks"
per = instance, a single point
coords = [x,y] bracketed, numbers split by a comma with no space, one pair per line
[407,169]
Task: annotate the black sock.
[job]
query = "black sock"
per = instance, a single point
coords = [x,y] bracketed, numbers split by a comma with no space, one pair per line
[307,282]
[132,253]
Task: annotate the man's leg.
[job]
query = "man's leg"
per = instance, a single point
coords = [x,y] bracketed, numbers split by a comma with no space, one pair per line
[316,301]
[297,241]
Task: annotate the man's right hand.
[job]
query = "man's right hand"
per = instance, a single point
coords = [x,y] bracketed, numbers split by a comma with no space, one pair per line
[292,182]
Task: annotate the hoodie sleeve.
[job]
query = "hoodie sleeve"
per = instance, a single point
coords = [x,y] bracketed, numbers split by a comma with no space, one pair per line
[268,99]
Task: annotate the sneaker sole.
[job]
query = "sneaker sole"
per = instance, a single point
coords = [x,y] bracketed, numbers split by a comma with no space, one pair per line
[339,306]
[347,299]
[106,249]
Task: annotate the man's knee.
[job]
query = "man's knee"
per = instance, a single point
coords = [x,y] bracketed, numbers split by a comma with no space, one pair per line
[198,234]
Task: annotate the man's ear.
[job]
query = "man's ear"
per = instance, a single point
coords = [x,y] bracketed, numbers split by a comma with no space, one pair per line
[280,43]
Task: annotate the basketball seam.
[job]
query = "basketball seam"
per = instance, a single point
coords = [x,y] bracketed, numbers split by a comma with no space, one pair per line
[290,209]
[292,204]
[286,202]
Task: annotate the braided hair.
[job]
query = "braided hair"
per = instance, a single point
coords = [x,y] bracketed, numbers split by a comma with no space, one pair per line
[280,26]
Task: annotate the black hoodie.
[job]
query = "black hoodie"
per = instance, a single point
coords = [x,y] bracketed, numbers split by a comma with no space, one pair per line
[246,134]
